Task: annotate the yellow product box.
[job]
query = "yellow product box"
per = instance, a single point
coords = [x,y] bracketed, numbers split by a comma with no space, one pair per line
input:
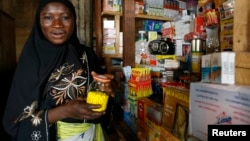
[224,34]
[153,135]
[161,57]
[140,89]
[226,24]
[226,46]
[167,136]
[152,35]
[140,74]
[147,133]
[108,49]
[176,111]
[226,39]
[153,125]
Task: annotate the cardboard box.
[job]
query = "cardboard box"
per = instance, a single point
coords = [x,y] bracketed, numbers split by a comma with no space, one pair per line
[153,135]
[176,111]
[212,104]
[142,130]
[147,133]
[142,104]
[222,65]
[154,112]
[226,14]
[218,68]
[227,24]
[167,136]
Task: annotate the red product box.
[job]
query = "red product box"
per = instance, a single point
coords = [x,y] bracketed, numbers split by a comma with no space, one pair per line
[199,24]
[154,113]
[168,32]
[142,107]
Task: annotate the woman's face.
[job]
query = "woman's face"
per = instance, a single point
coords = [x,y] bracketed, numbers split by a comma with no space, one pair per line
[57,23]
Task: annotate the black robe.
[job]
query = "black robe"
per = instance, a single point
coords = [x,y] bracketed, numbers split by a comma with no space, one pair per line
[39,76]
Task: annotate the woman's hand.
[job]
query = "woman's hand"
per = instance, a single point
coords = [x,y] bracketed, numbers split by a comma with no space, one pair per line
[76,109]
[79,108]
[109,87]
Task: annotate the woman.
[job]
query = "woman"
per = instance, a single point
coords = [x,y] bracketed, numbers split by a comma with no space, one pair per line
[46,100]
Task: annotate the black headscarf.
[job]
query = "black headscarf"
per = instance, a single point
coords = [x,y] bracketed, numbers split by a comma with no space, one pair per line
[38,59]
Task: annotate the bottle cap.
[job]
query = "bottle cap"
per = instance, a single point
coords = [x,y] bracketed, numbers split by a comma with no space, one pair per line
[101,78]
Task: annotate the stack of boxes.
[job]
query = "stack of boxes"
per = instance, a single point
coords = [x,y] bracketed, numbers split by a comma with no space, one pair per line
[139,86]
[204,103]
[149,119]
[226,25]
[172,7]
[153,7]
[218,68]
[109,37]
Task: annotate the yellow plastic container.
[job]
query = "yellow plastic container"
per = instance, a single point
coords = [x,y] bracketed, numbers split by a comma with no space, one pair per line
[95,97]
[97,93]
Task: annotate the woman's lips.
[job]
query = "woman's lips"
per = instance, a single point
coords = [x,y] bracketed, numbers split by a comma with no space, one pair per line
[58,35]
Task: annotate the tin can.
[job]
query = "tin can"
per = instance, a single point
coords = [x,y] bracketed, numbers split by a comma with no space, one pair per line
[198,47]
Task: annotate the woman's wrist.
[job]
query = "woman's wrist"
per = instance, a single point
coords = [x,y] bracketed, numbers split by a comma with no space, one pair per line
[57,113]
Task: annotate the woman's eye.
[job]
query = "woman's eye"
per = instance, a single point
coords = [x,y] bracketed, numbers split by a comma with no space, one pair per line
[48,17]
[66,18]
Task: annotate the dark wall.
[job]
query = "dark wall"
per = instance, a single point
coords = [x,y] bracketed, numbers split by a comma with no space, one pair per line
[7,54]
[7,59]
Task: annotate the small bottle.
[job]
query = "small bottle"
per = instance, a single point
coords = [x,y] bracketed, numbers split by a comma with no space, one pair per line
[97,93]
[141,52]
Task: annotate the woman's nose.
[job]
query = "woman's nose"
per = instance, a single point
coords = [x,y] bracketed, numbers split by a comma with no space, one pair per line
[57,23]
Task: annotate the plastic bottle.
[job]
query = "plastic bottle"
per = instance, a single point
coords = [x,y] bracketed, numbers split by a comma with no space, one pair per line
[97,93]
[141,52]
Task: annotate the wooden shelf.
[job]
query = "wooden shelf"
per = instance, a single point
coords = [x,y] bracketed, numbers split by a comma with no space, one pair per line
[127,19]
[110,13]
[139,16]
[150,17]
[112,55]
